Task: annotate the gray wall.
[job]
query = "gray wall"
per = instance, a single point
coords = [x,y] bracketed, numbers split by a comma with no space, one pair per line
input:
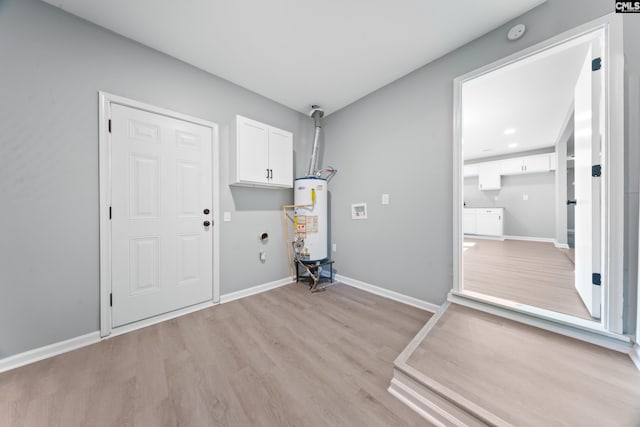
[399,140]
[534,217]
[53,65]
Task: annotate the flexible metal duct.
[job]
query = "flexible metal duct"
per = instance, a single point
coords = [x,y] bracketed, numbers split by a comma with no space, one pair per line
[316,113]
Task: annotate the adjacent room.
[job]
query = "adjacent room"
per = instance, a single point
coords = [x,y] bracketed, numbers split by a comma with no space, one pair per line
[220,213]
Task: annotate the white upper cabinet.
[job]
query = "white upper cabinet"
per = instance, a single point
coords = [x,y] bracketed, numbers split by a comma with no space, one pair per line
[280,157]
[529,164]
[489,176]
[511,166]
[489,173]
[252,148]
[470,170]
[539,163]
[260,155]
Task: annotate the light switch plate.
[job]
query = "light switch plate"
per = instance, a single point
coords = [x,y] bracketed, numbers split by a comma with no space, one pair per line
[385,199]
[227,217]
[525,197]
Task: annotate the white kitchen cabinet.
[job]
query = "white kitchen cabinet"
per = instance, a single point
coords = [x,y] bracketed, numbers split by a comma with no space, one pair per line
[489,222]
[489,173]
[489,176]
[534,164]
[511,166]
[553,161]
[470,170]
[529,164]
[260,155]
[469,221]
[483,221]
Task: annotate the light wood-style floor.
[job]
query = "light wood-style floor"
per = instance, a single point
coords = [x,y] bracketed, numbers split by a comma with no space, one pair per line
[531,273]
[282,358]
[527,376]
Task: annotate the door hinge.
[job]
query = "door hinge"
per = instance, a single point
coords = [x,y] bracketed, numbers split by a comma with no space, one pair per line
[109,212]
[109,125]
[596,170]
[596,279]
[111,300]
[596,64]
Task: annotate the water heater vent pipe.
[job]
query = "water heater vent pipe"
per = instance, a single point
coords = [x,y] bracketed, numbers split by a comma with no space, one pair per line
[316,113]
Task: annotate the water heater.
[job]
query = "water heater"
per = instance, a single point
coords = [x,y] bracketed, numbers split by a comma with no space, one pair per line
[310,218]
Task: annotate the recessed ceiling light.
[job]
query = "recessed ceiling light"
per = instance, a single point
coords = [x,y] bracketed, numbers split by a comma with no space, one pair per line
[514,145]
[509,131]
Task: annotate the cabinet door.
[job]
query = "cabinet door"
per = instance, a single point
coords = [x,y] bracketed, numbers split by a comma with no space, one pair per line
[536,164]
[469,221]
[489,222]
[281,157]
[512,166]
[470,170]
[253,151]
[489,176]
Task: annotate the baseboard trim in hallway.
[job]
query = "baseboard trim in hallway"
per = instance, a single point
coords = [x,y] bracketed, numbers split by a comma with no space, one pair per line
[396,296]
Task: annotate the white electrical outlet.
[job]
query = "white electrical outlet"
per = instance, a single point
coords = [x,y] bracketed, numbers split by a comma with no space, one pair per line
[334,247]
[385,199]
[227,217]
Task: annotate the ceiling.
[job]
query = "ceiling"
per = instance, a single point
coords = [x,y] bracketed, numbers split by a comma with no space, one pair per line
[523,106]
[299,52]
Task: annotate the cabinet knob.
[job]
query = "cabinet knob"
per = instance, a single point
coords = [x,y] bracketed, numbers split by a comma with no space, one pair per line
[206,211]
[206,223]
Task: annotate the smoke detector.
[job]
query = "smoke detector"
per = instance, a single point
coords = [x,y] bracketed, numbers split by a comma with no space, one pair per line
[516,32]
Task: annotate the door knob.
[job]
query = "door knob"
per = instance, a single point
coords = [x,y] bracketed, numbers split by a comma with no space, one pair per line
[206,211]
[207,223]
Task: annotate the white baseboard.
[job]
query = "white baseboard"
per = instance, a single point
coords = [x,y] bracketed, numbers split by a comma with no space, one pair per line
[531,239]
[634,354]
[539,239]
[255,290]
[424,305]
[483,237]
[47,351]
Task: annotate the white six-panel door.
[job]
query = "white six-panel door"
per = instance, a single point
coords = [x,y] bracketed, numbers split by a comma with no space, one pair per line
[161,196]
[587,188]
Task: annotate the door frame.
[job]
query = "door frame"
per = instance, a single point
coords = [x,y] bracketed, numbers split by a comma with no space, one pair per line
[104,156]
[612,203]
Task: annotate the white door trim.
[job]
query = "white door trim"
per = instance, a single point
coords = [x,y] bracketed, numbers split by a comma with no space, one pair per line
[104,154]
[613,172]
